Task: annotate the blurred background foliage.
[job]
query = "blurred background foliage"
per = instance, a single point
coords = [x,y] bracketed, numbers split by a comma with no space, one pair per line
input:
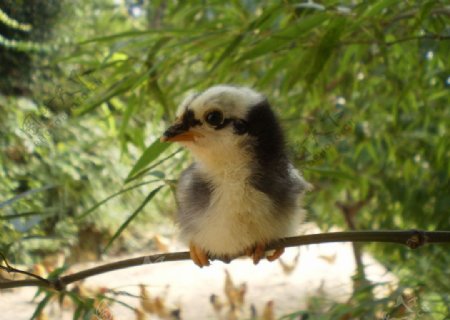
[362,88]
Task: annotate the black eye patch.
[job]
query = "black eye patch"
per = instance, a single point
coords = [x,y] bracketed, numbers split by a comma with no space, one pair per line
[189,120]
[224,123]
[240,126]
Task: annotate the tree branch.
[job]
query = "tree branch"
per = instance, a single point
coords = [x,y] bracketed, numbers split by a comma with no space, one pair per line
[413,239]
[8,268]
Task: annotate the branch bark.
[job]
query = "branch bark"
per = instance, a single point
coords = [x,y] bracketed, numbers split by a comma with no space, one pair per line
[412,238]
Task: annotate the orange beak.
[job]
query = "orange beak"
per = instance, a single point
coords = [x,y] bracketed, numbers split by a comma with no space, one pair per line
[184,136]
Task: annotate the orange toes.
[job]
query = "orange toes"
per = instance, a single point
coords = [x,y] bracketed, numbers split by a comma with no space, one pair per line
[199,256]
[276,254]
[258,252]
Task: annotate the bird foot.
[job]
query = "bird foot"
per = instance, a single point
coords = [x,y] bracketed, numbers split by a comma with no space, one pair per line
[258,252]
[199,256]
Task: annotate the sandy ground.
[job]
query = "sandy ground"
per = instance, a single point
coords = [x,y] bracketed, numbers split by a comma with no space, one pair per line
[321,270]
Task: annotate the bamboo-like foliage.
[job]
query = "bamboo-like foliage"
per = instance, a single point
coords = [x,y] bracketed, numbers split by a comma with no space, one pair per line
[361,88]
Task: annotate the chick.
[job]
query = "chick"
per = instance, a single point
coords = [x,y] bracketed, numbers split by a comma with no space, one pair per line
[242,192]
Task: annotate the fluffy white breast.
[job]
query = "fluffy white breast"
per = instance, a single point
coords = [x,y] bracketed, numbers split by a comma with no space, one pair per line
[238,216]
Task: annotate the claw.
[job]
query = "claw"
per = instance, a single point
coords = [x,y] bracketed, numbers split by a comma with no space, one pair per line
[199,256]
[276,254]
[258,252]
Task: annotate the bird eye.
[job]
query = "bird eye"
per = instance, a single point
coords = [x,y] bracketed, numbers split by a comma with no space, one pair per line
[214,118]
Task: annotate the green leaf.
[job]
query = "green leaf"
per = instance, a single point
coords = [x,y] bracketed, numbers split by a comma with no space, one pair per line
[232,46]
[12,23]
[25,194]
[130,109]
[135,34]
[158,174]
[149,155]
[24,214]
[319,57]
[304,25]
[269,45]
[77,313]
[127,83]
[295,315]
[253,25]
[376,8]
[82,307]
[98,204]
[57,272]
[141,173]
[39,291]
[42,305]
[284,37]
[131,217]
[325,171]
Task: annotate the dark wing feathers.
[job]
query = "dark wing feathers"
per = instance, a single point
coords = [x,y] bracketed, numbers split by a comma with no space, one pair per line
[193,195]
[273,174]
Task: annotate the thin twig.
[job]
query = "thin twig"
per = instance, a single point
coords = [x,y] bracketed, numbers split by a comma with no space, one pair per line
[413,239]
[350,211]
[7,267]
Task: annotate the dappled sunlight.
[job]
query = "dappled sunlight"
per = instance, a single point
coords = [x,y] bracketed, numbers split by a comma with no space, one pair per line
[336,107]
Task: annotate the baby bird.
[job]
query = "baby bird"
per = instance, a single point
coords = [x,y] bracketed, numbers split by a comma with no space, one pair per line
[242,192]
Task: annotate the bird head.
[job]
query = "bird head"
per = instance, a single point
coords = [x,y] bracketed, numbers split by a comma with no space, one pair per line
[225,123]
